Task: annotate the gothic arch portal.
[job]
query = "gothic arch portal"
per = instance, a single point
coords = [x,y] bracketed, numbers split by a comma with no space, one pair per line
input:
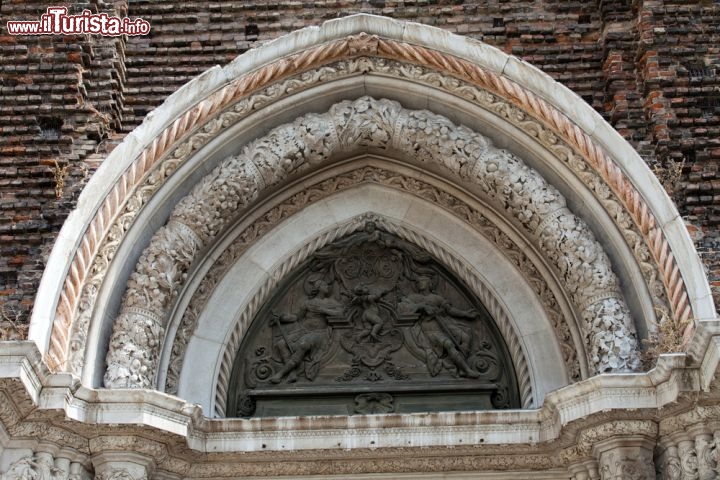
[508,179]
[508,103]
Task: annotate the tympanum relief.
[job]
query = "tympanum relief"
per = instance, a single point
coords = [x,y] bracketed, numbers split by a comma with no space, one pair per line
[371,324]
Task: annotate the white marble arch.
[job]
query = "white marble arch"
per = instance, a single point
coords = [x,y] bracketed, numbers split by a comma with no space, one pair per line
[138,332]
[72,238]
[204,354]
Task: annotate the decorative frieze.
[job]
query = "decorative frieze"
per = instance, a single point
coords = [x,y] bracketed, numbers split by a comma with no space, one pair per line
[148,435]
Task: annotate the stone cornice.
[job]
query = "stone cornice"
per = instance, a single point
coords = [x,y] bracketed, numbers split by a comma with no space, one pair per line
[39,396]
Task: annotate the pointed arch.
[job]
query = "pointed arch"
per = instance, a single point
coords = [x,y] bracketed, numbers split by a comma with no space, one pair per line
[517,106]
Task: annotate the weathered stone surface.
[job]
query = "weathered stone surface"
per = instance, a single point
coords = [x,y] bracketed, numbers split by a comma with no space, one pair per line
[431,140]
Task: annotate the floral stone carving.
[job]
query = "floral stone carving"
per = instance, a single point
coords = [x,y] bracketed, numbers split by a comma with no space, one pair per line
[502,178]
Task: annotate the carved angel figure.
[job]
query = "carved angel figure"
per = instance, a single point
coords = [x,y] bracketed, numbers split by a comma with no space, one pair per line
[301,338]
[439,332]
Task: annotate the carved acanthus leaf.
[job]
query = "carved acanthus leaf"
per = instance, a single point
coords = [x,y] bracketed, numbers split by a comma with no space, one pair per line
[293,148]
[477,92]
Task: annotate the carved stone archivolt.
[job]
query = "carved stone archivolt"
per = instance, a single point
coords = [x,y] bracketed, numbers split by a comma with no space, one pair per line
[507,111]
[502,178]
[432,193]
[450,67]
[371,324]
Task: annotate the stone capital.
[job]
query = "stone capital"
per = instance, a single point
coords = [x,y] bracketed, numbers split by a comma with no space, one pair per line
[626,456]
[122,466]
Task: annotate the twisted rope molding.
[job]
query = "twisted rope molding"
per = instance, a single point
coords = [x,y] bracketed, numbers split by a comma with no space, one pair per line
[354,46]
[343,69]
[593,153]
[454,264]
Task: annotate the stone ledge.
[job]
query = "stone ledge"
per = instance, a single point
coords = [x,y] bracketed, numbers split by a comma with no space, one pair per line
[159,412]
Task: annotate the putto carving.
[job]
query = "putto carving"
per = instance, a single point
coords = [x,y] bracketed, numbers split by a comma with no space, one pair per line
[371,310]
[293,148]
[439,333]
[303,341]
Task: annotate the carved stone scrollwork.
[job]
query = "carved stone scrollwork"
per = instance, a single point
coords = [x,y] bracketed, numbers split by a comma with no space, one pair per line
[293,148]
[371,311]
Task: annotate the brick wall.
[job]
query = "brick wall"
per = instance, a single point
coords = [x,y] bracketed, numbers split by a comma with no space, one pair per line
[60,99]
[649,67]
[680,45]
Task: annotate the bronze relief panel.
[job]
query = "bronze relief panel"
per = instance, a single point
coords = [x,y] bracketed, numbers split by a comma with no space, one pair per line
[371,324]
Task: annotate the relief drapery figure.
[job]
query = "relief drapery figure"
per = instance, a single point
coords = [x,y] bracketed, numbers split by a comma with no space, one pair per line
[437,331]
[300,338]
[371,314]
